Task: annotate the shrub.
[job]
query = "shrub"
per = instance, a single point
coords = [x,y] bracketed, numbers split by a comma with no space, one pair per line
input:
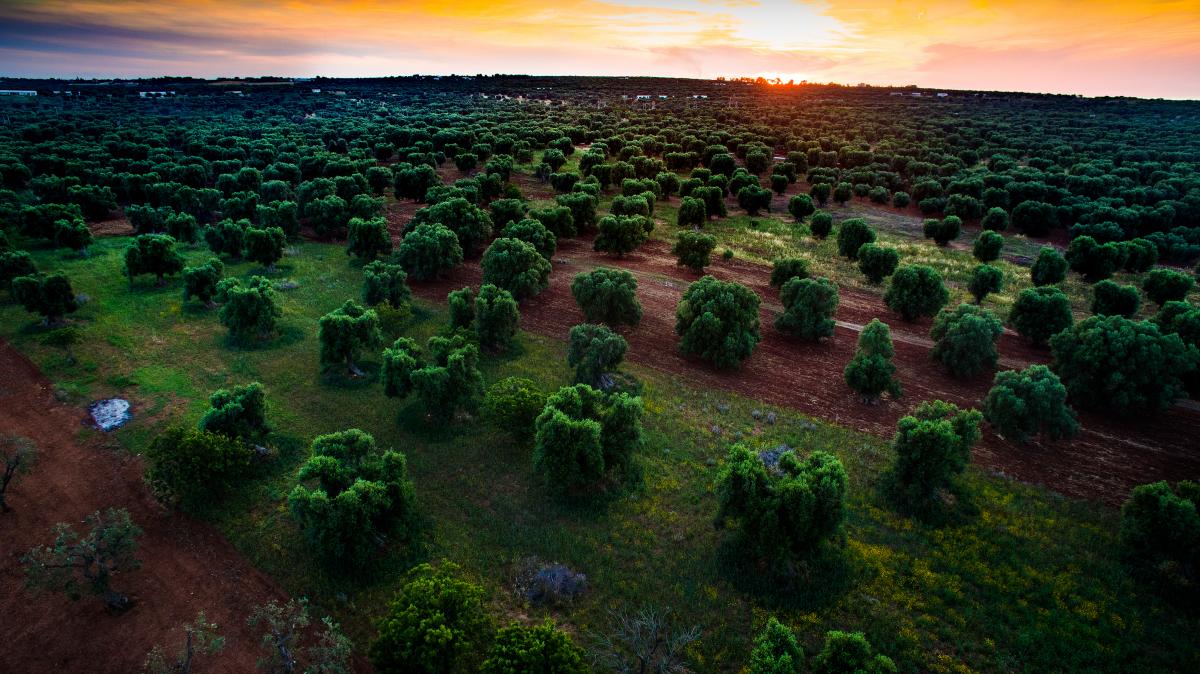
[933,446]
[368,239]
[1049,268]
[776,651]
[607,296]
[995,220]
[985,279]
[1160,535]
[437,624]
[987,246]
[541,648]
[449,383]
[1040,313]
[692,250]
[189,466]
[901,199]
[785,515]
[943,231]
[249,309]
[808,308]
[821,224]
[871,371]
[152,254]
[718,321]
[800,206]
[1094,261]
[51,296]
[1111,299]
[1125,366]
[584,435]
[786,269]
[535,234]
[852,234]
[385,282]
[346,331]
[240,412]
[496,317]
[515,266]
[916,290]
[622,234]
[850,653]
[594,350]
[428,251]
[965,340]
[1031,401]
[1167,285]
[201,282]
[877,262]
[351,494]
[513,404]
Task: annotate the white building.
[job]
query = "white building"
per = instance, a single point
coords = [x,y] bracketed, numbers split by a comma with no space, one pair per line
[17,92]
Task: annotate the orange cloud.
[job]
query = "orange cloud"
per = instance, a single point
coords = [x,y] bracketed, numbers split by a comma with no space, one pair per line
[1151,47]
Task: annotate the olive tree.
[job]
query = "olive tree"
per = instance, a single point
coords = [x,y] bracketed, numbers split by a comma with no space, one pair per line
[1124,366]
[368,238]
[594,350]
[985,279]
[693,249]
[964,340]
[247,309]
[932,446]
[496,317]
[987,246]
[428,251]
[1113,299]
[871,372]
[718,321]
[19,455]
[470,223]
[76,564]
[800,206]
[1040,313]
[350,496]
[188,467]
[201,282]
[583,436]
[786,269]
[450,381]
[808,308]
[513,404]
[692,213]
[783,515]
[384,282]
[916,290]
[516,266]
[239,412]
[776,651]
[437,624]
[1029,402]
[51,296]
[607,296]
[152,254]
[1167,285]
[1049,268]
[877,262]
[1160,535]
[852,235]
[821,224]
[943,231]
[199,638]
[622,234]
[284,626]
[535,234]
[265,246]
[344,333]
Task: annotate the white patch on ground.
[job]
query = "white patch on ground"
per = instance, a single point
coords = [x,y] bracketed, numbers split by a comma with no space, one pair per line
[110,413]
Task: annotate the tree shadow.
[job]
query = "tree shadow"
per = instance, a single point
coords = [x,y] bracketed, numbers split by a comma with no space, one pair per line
[806,584]
[337,376]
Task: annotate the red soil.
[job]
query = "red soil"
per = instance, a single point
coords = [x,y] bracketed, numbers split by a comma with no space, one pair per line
[1103,463]
[187,566]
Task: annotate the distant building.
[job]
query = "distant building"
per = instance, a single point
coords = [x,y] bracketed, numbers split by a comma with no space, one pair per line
[155,94]
[943,95]
[643,97]
[702,97]
[662,97]
[915,94]
[17,92]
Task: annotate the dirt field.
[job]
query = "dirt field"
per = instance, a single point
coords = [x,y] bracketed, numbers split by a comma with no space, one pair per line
[187,566]
[1103,463]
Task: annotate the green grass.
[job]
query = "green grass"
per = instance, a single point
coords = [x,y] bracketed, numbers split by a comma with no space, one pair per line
[1032,584]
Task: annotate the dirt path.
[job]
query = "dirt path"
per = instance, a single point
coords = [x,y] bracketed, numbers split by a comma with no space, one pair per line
[187,566]
[1103,463]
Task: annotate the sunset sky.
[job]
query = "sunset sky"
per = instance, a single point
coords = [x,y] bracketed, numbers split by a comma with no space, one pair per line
[1094,47]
